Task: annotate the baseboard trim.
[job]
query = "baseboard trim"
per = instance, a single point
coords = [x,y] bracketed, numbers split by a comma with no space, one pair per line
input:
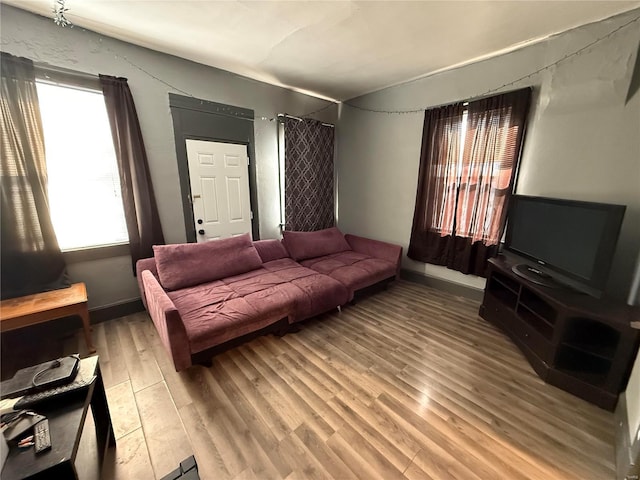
[109,312]
[442,284]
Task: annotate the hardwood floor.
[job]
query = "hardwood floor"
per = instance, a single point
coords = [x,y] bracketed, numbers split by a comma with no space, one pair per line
[409,383]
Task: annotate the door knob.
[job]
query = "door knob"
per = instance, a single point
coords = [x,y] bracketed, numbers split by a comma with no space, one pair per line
[201,232]
[199,221]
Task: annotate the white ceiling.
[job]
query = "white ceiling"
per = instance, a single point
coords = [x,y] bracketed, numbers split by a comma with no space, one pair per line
[335,49]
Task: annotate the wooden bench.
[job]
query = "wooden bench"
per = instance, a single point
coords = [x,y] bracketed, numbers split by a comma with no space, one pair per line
[42,307]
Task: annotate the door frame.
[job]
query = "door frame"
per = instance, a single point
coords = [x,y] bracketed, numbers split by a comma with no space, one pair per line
[196,119]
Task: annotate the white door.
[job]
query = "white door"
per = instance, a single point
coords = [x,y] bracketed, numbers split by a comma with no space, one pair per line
[219,176]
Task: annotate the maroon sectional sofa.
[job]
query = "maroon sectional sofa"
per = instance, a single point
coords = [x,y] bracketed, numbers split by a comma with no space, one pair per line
[204,295]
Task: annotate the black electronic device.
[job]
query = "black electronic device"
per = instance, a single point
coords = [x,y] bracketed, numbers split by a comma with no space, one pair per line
[43,396]
[43,376]
[57,372]
[571,241]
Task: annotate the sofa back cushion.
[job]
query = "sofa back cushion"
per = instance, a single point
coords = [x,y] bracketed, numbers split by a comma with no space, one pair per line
[187,264]
[303,245]
[270,250]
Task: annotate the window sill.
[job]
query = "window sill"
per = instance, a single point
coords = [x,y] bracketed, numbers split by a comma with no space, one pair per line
[96,253]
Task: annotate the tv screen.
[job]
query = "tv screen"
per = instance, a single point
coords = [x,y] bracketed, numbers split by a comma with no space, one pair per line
[574,239]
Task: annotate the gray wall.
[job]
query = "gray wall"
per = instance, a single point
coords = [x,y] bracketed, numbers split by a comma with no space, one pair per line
[583,142]
[111,281]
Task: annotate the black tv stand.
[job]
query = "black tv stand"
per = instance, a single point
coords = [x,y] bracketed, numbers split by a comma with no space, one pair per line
[578,343]
[534,275]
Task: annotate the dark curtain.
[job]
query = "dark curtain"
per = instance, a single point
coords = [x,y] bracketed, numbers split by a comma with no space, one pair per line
[140,209]
[308,175]
[462,196]
[30,255]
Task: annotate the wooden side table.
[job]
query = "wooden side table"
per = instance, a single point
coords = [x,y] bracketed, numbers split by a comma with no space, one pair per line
[42,307]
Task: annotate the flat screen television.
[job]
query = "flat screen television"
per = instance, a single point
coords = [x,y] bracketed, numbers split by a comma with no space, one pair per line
[563,242]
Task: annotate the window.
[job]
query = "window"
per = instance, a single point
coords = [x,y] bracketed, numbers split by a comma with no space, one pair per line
[477,184]
[83,183]
[469,157]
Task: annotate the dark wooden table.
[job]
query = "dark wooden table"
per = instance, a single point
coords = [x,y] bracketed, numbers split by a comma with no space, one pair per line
[79,441]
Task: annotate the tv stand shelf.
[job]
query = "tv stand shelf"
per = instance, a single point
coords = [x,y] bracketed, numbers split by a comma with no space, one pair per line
[578,343]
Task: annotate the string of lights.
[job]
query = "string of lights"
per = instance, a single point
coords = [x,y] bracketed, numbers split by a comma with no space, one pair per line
[189,94]
[508,84]
[151,74]
[307,115]
[60,19]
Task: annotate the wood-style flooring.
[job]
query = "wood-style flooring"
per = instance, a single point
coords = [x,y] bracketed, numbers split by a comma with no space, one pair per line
[408,383]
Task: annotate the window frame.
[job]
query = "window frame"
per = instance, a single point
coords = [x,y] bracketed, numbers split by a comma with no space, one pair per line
[82,81]
[451,186]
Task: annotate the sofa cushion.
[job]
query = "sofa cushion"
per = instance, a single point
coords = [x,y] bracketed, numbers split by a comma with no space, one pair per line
[251,282]
[270,250]
[317,294]
[303,245]
[187,264]
[210,322]
[218,311]
[354,270]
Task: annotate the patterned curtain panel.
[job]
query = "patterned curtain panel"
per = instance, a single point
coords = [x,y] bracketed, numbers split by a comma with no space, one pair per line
[308,175]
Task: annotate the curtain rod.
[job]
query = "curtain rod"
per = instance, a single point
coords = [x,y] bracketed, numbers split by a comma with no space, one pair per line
[47,68]
[283,115]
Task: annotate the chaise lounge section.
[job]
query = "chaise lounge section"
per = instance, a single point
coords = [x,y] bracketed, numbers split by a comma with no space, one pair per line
[356,262]
[204,296]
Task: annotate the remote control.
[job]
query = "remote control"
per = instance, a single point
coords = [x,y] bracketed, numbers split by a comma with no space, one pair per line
[41,437]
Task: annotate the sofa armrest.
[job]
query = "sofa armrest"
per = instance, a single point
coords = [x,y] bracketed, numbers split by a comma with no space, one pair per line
[168,322]
[377,249]
[142,265]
